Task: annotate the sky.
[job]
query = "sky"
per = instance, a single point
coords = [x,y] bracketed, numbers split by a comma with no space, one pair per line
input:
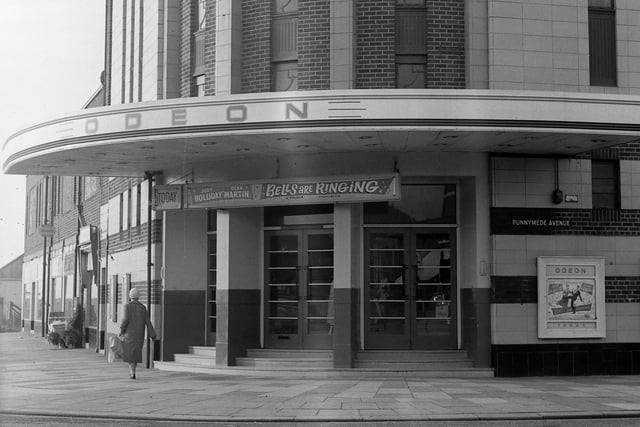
[52,55]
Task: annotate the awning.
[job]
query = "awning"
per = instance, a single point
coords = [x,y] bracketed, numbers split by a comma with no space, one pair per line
[129,139]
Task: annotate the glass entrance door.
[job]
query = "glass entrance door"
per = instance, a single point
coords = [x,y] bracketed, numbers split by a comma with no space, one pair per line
[410,289]
[299,288]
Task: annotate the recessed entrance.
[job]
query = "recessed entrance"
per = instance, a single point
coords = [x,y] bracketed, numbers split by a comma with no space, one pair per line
[410,289]
[299,288]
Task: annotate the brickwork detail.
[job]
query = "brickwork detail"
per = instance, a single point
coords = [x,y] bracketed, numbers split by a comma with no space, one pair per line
[445,44]
[133,237]
[375,52]
[622,289]
[210,49]
[256,46]
[314,66]
[628,151]
[188,25]
[524,289]
[156,292]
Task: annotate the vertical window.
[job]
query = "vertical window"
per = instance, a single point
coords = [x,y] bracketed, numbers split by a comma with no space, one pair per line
[411,44]
[602,43]
[32,219]
[127,209]
[198,48]
[605,184]
[67,193]
[200,81]
[211,270]
[202,14]
[90,187]
[114,298]
[138,203]
[121,212]
[284,45]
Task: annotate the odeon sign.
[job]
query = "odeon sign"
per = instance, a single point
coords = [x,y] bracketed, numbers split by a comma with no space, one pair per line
[180,116]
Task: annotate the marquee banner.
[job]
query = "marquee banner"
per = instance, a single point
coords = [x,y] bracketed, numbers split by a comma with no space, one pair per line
[349,189]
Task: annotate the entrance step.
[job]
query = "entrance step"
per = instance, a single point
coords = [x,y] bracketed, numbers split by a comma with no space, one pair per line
[279,358]
[198,356]
[318,364]
[414,360]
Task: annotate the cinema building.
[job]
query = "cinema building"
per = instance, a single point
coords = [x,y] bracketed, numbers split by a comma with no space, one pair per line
[359,186]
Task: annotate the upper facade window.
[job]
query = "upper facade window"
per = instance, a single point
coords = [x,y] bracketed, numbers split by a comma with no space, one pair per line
[411,44]
[284,45]
[202,14]
[602,43]
[198,41]
[605,184]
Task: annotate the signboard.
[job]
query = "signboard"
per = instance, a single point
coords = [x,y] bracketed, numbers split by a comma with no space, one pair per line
[294,191]
[571,297]
[348,189]
[167,197]
[522,221]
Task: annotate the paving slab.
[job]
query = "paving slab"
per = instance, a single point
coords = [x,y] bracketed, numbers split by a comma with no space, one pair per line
[36,379]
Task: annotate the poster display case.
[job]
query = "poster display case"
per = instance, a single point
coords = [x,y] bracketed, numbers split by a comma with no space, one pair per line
[571,297]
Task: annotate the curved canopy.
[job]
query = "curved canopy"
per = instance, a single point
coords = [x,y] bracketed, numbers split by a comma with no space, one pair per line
[129,139]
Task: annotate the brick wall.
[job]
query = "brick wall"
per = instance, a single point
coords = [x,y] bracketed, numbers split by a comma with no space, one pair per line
[134,237]
[188,26]
[375,52]
[210,49]
[313,45]
[256,46]
[628,151]
[445,44]
[524,289]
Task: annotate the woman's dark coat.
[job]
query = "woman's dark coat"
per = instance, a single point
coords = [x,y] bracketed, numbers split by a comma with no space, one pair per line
[132,327]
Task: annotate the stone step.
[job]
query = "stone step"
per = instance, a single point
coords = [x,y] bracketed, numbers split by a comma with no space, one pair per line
[413,355]
[202,350]
[289,353]
[195,359]
[413,365]
[260,362]
[324,373]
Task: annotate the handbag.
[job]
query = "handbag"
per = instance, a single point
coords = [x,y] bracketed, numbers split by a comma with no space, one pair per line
[116,349]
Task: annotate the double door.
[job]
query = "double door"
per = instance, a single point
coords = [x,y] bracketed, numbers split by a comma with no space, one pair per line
[410,288]
[299,288]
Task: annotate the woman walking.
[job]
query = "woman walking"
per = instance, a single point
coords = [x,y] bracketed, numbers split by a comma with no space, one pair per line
[132,327]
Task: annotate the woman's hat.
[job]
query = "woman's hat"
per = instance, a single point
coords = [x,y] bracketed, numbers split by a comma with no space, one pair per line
[134,294]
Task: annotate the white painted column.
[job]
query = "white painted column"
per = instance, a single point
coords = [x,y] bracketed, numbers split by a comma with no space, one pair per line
[343,44]
[228,47]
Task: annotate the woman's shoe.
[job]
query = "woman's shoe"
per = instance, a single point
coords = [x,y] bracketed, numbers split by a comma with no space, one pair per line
[132,376]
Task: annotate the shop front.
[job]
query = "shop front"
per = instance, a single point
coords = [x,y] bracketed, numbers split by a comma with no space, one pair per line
[342,263]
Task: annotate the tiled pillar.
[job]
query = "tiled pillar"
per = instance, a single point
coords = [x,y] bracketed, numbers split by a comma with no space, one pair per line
[347,269]
[228,47]
[183,291]
[239,261]
[343,44]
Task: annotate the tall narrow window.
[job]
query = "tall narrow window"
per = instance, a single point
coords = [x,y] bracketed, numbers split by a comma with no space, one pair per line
[284,45]
[605,184]
[198,47]
[411,44]
[602,43]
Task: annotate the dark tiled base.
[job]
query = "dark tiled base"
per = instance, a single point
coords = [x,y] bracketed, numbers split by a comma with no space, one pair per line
[566,359]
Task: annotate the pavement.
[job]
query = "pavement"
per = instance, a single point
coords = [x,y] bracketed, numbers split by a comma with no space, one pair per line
[36,379]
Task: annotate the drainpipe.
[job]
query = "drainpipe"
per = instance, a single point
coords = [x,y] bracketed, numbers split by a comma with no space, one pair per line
[44,257]
[149,177]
